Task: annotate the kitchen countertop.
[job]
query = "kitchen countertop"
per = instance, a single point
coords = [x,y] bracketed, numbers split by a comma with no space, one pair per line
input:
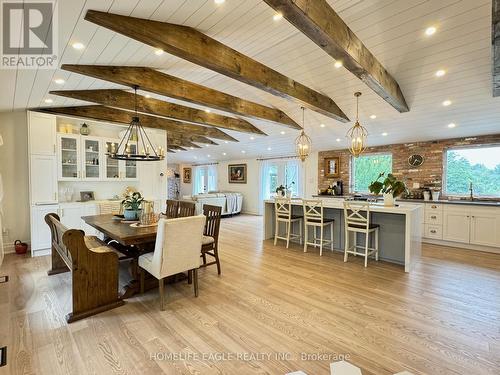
[445,201]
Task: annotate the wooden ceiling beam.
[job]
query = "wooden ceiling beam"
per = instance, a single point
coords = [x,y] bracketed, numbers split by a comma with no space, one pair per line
[181,142]
[192,138]
[191,45]
[126,100]
[318,21]
[151,80]
[101,113]
[495,38]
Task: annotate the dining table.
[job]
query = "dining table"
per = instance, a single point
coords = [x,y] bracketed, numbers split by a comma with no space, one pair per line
[130,242]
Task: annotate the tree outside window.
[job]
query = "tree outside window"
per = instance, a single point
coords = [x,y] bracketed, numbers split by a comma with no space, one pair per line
[366,168]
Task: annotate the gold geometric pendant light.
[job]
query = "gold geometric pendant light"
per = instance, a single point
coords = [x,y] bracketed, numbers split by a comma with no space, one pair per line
[303,143]
[357,134]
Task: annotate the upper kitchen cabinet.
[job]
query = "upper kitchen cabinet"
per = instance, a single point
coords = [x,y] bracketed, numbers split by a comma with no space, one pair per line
[68,157]
[42,133]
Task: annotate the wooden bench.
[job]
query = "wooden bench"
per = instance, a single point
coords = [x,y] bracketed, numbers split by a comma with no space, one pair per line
[93,266]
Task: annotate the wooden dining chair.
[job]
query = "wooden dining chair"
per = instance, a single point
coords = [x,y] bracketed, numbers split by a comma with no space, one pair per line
[186,209]
[172,209]
[210,240]
[177,249]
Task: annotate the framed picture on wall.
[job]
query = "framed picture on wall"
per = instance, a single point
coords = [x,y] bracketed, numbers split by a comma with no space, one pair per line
[332,167]
[186,175]
[237,173]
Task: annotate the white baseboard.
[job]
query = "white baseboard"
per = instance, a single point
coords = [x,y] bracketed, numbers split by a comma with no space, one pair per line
[251,213]
[460,245]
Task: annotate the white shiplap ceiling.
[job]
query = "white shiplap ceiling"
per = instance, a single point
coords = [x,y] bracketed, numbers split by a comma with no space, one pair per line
[394,31]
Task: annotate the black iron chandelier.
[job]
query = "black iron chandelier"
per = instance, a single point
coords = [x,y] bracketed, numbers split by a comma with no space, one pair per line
[135,135]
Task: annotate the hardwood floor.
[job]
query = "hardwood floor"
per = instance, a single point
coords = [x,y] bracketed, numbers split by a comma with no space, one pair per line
[444,318]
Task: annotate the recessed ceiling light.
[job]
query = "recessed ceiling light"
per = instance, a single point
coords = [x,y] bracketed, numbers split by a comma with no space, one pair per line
[159,52]
[78,45]
[282,132]
[207,110]
[59,81]
[373,117]
[322,125]
[430,31]
[452,125]
[48,101]
[147,96]
[243,151]
[226,142]
[192,148]
[219,2]
[338,139]
[224,154]
[207,145]
[252,138]
[338,64]
[384,134]
[208,155]
[440,73]
[446,103]
[277,16]
[269,149]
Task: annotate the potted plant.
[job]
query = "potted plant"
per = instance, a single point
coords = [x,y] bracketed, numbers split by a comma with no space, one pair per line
[132,206]
[280,190]
[390,187]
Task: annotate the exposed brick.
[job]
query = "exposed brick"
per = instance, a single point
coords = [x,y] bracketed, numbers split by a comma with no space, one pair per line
[431,172]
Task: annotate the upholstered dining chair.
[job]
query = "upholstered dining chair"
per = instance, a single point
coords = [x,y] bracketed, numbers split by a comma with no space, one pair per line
[177,249]
[172,209]
[210,241]
[186,209]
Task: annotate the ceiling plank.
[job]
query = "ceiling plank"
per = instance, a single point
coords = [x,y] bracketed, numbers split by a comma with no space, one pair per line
[151,80]
[495,29]
[318,21]
[191,45]
[102,113]
[126,100]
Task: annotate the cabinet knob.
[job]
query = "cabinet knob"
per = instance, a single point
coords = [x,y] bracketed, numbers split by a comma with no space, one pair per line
[433,231]
[433,206]
[433,217]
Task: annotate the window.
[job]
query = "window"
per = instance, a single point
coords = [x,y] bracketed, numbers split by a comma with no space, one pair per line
[479,165]
[366,168]
[281,172]
[205,179]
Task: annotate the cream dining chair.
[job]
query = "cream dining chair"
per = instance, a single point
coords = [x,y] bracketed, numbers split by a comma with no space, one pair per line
[177,249]
[283,214]
[314,217]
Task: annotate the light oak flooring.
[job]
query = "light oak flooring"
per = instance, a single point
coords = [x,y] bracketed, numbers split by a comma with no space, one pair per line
[444,318]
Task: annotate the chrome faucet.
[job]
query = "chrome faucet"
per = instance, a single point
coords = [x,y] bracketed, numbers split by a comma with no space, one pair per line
[471,189]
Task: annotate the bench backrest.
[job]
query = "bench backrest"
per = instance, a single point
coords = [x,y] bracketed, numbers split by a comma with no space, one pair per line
[57,230]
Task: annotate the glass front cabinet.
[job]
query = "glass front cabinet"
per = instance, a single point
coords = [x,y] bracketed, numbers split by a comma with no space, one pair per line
[92,158]
[84,158]
[119,169]
[68,146]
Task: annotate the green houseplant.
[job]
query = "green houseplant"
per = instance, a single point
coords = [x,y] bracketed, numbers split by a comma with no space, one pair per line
[132,206]
[390,187]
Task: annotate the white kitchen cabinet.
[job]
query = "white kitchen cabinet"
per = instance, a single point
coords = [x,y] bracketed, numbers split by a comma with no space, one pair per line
[456,224]
[40,232]
[118,170]
[43,179]
[70,215]
[88,210]
[68,157]
[485,227]
[92,157]
[42,133]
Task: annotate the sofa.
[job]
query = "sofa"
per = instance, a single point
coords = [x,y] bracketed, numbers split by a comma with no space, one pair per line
[230,202]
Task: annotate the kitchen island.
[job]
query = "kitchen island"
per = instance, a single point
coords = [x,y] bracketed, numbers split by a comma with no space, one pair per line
[400,228]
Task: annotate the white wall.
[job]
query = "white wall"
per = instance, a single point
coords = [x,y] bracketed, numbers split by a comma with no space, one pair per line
[251,190]
[14,171]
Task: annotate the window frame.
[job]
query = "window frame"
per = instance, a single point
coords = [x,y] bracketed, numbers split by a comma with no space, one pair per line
[352,174]
[445,168]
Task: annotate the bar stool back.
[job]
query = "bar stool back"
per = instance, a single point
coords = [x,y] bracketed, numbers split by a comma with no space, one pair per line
[283,214]
[357,220]
[313,217]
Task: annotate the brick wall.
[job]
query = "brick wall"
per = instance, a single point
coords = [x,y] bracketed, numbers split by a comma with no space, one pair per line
[429,174]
